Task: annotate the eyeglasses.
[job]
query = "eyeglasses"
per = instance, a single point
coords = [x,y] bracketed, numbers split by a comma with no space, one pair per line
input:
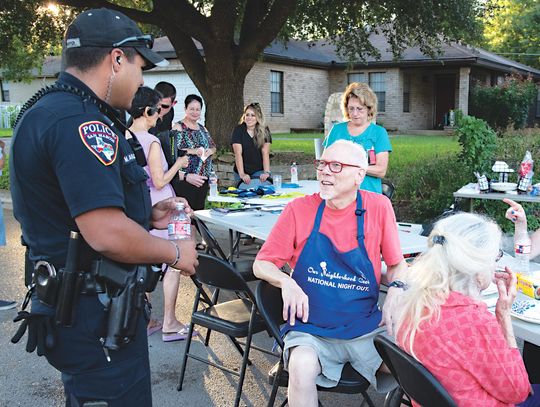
[499,255]
[352,109]
[335,166]
[153,110]
[146,39]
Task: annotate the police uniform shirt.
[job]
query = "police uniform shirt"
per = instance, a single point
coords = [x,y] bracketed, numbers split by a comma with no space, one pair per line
[67,160]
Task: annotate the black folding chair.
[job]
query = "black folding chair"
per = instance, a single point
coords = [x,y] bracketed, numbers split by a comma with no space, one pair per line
[388,189]
[236,318]
[414,379]
[270,305]
[244,267]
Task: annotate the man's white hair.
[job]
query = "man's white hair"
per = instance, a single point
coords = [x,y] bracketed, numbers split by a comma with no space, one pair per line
[357,152]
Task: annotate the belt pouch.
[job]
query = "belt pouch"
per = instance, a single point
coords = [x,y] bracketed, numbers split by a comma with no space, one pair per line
[154,272]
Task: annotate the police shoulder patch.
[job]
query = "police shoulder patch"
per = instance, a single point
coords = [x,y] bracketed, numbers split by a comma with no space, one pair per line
[100,140]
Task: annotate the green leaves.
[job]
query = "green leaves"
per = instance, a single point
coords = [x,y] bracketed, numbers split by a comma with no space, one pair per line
[478,142]
[505,104]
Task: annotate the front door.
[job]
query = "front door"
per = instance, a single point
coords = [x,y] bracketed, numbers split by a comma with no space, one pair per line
[445,97]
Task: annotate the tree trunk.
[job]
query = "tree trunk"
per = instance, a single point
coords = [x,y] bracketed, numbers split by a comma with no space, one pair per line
[224,103]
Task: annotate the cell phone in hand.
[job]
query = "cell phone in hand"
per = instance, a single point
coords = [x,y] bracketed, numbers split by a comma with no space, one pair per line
[181,152]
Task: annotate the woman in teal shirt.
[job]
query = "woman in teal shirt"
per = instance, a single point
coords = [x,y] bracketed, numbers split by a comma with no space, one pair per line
[359,106]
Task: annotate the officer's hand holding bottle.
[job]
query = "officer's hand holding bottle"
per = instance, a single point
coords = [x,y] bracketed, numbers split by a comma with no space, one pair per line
[161,214]
[162,211]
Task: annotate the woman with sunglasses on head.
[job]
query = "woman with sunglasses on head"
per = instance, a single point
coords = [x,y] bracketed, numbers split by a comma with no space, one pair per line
[145,113]
[359,107]
[442,321]
[251,141]
[200,147]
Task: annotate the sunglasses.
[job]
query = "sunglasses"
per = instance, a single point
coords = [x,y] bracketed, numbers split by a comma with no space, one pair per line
[164,106]
[335,166]
[499,255]
[153,110]
[146,40]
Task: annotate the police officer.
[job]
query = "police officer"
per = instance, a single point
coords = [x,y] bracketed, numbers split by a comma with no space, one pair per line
[72,169]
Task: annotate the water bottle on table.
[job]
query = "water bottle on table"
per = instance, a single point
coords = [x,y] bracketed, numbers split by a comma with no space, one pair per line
[213,182]
[294,173]
[522,250]
[179,226]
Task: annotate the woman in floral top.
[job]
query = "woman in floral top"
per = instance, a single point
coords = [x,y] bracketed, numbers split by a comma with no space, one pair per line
[197,142]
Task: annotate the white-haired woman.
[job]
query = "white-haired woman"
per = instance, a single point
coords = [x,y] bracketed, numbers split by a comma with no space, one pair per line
[250,142]
[444,324]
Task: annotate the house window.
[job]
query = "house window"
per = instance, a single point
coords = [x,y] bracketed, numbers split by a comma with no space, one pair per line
[356,77]
[406,93]
[377,82]
[276,92]
[4,86]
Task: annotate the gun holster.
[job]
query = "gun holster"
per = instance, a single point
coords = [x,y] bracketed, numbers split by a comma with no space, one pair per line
[124,309]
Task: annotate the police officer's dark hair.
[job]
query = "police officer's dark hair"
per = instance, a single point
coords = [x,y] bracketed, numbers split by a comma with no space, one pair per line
[191,98]
[85,58]
[145,97]
[166,89]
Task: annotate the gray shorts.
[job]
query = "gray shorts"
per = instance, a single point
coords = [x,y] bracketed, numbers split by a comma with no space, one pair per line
[334,353]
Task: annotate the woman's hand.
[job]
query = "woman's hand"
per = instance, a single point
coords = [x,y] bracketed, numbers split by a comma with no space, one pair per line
[515,213]
[264,176]
[246,179]
[162,211]
[183,161]
[200,151]
[196,180]
[506,284]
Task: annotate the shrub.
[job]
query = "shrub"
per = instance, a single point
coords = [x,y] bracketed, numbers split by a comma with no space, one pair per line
[425,189]
[4,178]
[504,105]
[478,142]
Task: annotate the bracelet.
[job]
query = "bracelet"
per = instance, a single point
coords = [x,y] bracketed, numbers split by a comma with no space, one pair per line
[268,172]
[398,284]
[177,259]
[183,177]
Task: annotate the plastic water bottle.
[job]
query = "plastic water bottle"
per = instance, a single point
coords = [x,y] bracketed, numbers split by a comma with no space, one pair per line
[213,182]
[179,225]
[294,173]
[522,250]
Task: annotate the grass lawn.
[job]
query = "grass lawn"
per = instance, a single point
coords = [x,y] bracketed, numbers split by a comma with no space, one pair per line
[406,149]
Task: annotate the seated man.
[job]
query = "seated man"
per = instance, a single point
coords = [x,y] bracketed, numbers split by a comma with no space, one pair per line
[333,241]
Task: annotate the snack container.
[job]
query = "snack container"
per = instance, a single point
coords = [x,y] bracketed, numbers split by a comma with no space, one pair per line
[529,285]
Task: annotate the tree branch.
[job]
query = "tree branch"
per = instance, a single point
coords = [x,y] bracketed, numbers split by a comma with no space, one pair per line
[258,36]
[223,20]
[139,15]
[191,58]
[184,17]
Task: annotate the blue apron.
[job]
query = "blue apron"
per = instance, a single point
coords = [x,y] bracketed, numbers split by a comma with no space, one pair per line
[341,286]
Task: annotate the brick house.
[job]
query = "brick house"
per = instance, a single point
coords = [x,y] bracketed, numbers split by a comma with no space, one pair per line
[293,82]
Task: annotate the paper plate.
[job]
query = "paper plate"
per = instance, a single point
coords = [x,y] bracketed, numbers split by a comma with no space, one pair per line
[527,310]
[503,186]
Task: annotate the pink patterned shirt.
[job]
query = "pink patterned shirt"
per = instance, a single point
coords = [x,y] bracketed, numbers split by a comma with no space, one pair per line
[467,352]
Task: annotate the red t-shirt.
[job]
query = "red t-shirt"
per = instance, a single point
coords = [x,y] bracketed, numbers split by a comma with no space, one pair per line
[291,231]
[466,351]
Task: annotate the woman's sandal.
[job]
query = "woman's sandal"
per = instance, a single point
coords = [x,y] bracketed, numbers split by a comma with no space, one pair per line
[181,335]
[153,326]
